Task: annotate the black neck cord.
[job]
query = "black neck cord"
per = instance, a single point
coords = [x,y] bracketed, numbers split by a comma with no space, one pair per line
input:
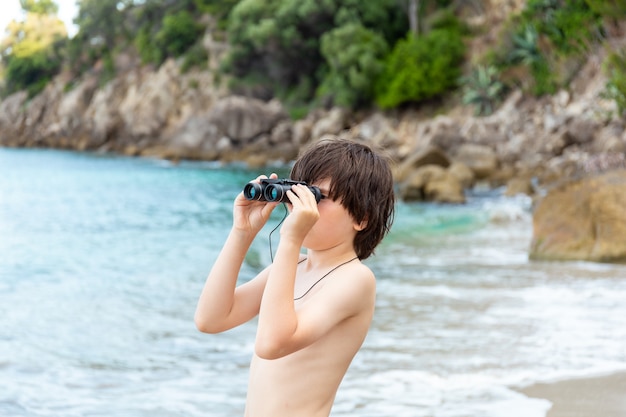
[325,275]
[274,229]
[316,282]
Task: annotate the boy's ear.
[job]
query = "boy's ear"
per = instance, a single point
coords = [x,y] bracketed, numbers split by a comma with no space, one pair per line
[360,226]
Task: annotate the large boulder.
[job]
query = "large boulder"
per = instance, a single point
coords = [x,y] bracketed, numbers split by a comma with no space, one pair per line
[583,220]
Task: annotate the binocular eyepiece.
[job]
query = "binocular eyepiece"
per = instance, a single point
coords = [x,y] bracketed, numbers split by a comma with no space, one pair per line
[275,190]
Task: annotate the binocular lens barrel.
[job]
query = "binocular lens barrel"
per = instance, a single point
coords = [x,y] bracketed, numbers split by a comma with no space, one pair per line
[277,193]
[253,191]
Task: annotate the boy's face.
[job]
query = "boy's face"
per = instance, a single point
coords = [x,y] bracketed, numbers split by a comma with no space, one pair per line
[335,224]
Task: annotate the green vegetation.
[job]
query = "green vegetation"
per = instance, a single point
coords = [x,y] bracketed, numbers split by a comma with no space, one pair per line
[355,56]
[483,89]
[417,70]
[278,44]
[32,50]
[616,87]
[547,43]
[608,8]
[307,53]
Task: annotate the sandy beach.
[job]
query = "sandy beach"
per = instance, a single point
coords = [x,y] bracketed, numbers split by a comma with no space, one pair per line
[603,396]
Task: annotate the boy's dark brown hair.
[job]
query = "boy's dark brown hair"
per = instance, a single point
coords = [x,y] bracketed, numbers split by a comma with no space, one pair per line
[360,179]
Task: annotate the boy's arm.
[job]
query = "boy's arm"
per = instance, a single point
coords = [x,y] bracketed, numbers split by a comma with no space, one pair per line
[223,305]
[282,330]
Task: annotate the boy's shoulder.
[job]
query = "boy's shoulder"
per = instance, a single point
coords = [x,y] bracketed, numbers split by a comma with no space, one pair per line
[353,283]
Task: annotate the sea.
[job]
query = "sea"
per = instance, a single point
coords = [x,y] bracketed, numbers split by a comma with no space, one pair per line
[103,257]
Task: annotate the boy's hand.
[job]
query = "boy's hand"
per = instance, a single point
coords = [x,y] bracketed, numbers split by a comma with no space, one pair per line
[304,213]
[249,215]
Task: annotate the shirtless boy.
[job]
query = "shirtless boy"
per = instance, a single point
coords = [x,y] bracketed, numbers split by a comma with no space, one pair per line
[315,308]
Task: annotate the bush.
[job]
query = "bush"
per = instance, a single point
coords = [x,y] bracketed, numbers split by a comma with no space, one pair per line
[355,56]
[420,68]
[31,73]
[178,33]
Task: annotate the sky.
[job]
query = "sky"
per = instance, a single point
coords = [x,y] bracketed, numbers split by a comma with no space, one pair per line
[11,9]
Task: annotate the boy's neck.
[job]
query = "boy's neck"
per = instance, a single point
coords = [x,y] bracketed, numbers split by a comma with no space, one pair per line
[329,257]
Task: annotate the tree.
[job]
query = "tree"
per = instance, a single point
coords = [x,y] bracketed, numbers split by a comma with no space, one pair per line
[31,50]
[414,6]
[102,29]
[277,43]
[100,22]
[39,6]
[355,56]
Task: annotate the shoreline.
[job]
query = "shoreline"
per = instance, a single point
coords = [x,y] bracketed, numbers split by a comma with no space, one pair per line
[599,396]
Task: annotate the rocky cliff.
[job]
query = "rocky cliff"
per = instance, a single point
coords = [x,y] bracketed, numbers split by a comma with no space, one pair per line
[167,114]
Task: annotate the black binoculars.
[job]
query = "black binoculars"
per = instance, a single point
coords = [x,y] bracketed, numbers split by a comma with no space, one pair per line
[275,190]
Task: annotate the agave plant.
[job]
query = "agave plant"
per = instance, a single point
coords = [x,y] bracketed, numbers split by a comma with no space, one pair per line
[482,89]
[525,48]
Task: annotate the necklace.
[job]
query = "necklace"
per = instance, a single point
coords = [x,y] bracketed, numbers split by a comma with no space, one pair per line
[325,275]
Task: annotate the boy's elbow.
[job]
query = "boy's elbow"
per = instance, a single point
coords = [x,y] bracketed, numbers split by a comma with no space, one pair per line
[205,326]
[269,349]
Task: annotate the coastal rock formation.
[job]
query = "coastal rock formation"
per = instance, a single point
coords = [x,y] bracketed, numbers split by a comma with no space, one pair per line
[583,220]
[527,145]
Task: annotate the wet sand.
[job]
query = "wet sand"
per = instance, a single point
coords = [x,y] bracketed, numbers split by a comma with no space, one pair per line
[603,396]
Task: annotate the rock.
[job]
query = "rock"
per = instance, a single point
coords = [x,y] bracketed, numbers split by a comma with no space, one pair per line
[583,220]
[151,101]
[198,132]
[444,133]
[611,139]
[602,162]
[580,131]
[445,190]
[333,123]
[73,106]
[12,117]
[432,183]
[378,131]
[102,117]
[517,186]
[242,119]
[481,159]
[302,131]
[462,173]
[282,133]
[483,131]
[429,155]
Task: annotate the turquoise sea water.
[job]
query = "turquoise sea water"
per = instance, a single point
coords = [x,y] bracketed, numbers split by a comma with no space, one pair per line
[102,259]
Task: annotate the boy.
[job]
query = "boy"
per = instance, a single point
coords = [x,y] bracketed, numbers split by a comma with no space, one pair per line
[314,309]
